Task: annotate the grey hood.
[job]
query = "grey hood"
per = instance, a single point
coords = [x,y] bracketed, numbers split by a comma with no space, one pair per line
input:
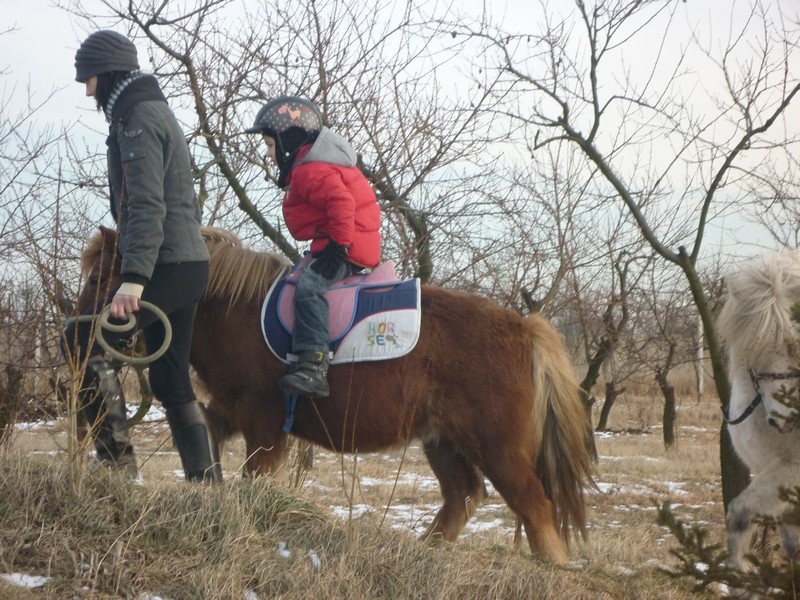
[330,147]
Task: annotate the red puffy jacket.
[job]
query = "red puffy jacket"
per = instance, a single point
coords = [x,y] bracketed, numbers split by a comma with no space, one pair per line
[333,201]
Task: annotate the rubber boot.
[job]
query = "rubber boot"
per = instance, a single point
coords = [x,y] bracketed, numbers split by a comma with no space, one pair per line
[108,419]
[196,446]
[311,377]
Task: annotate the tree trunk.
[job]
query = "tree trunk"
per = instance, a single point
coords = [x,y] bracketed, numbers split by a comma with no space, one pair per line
[611,397]
[9,400]
[698,361]
[662,377]
[735,474]
[588,402]
[669,416]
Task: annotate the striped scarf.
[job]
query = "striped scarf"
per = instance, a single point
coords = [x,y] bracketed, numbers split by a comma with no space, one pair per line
[133,76]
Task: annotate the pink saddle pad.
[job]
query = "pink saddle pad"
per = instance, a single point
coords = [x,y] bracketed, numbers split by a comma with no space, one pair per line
[341,295]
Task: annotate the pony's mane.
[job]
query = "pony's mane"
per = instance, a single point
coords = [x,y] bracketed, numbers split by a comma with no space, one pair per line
[757,311]
[234,271]
[105,239]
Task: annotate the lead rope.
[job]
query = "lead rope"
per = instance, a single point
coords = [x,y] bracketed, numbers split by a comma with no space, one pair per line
[103,323]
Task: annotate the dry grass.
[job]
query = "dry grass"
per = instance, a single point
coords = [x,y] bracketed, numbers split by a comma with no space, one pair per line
[99,537]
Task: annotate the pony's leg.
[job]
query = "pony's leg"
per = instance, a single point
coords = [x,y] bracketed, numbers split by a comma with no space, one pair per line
[266,444]
[222,429]
[517,533]
[758,498]
[516,482]
[462,489]
[266,457]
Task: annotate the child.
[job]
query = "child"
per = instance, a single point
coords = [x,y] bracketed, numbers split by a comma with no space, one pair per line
[330,202]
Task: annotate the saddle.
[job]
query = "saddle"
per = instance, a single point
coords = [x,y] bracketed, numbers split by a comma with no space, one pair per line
[373,316]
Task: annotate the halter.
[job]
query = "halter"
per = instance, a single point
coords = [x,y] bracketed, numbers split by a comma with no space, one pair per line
[755,377]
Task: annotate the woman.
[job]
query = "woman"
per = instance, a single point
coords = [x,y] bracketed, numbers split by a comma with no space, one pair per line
[162,255]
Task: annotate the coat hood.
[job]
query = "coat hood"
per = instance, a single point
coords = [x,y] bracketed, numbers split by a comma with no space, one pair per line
[330,147]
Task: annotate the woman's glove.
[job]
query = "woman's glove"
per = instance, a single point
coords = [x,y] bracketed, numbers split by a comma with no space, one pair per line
[328,261]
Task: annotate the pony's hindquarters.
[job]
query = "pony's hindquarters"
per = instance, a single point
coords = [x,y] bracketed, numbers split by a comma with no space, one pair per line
[502,397]
[546,462]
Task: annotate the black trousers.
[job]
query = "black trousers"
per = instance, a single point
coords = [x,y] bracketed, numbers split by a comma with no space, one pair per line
[174,288]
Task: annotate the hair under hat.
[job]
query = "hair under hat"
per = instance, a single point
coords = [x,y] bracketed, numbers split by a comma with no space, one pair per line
[104,51]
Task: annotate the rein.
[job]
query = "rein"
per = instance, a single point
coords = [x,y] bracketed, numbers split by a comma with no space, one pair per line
[755,377]
[129,325]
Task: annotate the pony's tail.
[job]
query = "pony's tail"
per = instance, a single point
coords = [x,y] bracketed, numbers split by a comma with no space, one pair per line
[564,464]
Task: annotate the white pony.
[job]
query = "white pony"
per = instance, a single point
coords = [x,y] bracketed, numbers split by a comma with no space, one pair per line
[762,341]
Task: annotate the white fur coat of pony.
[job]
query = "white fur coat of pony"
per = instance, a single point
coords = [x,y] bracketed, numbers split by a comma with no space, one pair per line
[762,342]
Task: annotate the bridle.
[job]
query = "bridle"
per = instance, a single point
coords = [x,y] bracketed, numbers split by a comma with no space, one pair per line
[755,377]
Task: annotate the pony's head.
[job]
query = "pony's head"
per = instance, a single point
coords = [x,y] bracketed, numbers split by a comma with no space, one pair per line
[759,324]
[99,268]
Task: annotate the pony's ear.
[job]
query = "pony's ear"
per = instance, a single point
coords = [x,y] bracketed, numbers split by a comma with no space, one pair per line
[109,235]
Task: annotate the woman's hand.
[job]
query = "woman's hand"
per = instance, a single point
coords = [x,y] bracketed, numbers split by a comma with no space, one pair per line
[126,300]
[123,305]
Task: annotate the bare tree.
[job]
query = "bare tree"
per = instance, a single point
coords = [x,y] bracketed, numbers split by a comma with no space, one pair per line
[668,338]
[30,288]
[675,163]
[375,78]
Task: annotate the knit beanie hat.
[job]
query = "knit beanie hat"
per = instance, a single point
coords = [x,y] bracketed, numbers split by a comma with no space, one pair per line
[104,51]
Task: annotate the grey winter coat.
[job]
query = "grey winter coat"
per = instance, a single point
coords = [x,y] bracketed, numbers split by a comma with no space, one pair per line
[150,179]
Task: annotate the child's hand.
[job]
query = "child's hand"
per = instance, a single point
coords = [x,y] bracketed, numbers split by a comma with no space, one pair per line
[327,262]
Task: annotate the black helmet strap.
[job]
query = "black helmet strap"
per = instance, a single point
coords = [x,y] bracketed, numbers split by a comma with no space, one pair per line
[287,145]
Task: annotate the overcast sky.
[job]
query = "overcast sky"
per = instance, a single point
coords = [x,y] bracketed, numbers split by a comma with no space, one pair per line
[40,50]
[40,53]
[38,46]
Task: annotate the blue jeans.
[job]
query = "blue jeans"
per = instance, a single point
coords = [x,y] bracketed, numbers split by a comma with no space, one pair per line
[311,313]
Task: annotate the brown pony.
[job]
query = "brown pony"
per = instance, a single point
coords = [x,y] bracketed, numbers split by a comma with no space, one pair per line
[488,393]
